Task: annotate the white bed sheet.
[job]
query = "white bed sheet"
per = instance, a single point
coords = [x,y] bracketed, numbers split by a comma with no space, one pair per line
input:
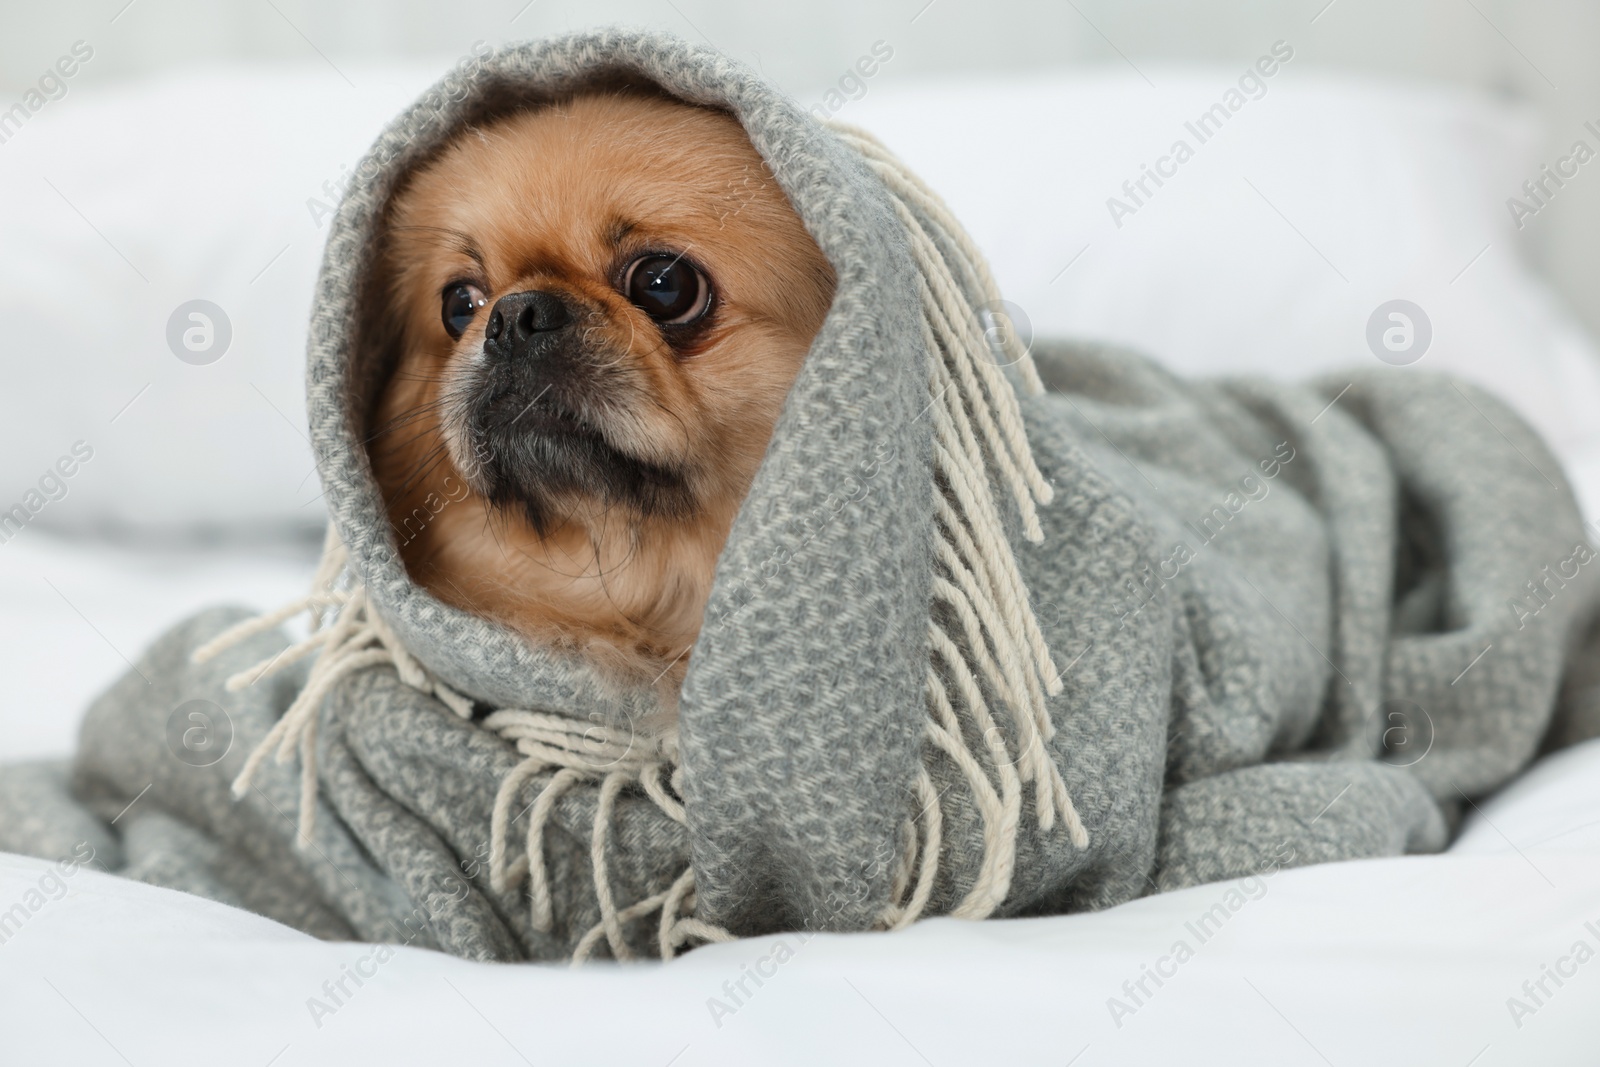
[1397,961]
[74,612]
[1403,961]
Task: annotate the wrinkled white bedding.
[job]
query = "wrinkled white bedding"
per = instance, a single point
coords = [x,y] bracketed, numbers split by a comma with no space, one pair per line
[1313,965]
[73,612]
[1310,961]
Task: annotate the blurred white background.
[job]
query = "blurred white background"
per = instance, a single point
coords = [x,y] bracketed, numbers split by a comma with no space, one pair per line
[155,153]
[1538,50]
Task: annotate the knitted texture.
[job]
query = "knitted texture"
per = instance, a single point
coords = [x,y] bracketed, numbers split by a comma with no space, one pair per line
[983,640]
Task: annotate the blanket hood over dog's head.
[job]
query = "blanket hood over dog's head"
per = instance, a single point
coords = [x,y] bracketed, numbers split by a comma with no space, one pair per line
[815,642]
[870,346]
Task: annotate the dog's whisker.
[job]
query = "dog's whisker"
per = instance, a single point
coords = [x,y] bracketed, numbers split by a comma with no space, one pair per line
[404,419]
[426,466]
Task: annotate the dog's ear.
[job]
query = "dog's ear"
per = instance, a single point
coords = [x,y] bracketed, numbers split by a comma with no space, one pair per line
[380,337]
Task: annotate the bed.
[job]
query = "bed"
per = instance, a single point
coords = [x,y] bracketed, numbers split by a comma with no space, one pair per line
[1267,252]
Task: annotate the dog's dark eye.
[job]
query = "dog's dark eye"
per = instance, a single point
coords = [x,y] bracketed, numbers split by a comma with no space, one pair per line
[667,288]
[461,303]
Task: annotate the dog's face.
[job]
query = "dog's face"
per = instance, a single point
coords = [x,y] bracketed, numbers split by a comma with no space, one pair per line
[601,305]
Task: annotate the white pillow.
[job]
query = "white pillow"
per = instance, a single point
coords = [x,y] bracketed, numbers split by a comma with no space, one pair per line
[1268,250]
[213,185]
[123,206]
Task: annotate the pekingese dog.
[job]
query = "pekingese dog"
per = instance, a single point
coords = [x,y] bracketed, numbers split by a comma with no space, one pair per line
[597,309]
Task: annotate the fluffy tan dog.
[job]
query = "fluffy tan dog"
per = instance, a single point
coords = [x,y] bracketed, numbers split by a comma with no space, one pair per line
[597,309]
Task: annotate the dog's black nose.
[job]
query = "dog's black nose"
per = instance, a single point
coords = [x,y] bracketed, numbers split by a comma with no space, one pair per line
[520,317]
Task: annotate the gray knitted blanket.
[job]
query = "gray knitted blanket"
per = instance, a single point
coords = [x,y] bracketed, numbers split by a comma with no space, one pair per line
[996,633]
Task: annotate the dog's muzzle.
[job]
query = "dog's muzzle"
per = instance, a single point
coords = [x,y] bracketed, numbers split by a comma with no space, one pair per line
[525,325]
[533,441]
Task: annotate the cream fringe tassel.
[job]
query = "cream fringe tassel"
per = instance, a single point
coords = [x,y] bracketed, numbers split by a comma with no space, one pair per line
[357,638]
[977,428]
[996,644]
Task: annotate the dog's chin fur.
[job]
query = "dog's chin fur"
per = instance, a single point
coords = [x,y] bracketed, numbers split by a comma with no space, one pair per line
[582,497]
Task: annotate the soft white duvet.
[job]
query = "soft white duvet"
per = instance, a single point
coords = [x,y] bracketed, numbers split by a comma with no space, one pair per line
[1332,964]
[1322,965]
